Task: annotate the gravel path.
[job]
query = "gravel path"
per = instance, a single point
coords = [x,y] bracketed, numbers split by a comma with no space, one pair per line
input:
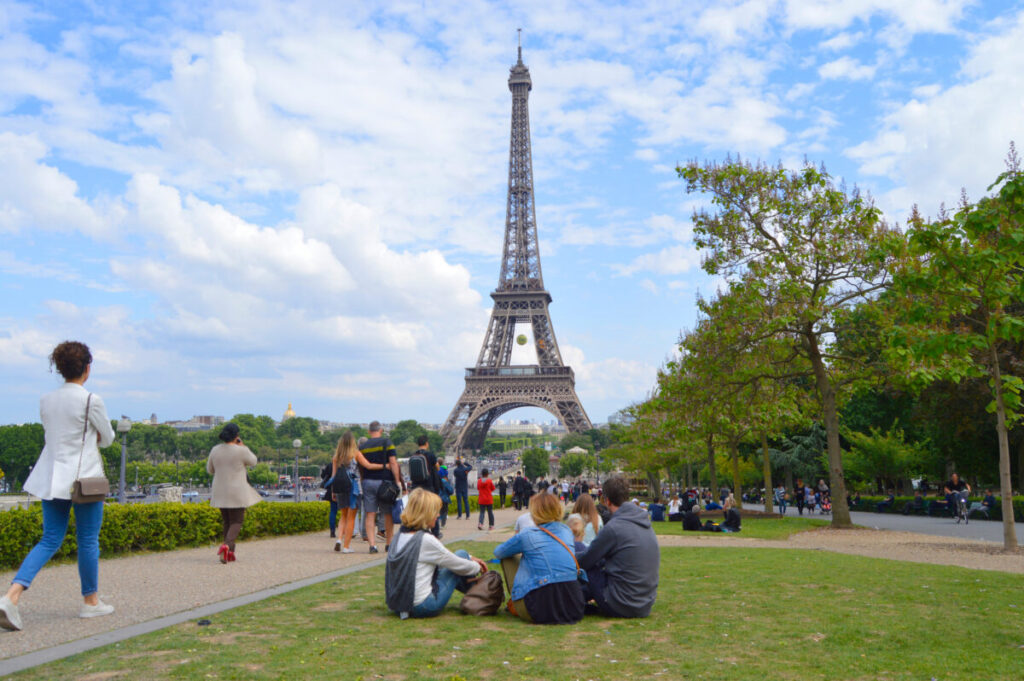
[147,586]
[908,546]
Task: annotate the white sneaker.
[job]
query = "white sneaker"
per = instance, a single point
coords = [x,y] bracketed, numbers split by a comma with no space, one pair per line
[348,551]
[98,610]
[10,618]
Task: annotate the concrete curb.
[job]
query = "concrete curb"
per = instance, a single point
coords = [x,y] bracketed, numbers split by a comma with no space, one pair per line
[60,651]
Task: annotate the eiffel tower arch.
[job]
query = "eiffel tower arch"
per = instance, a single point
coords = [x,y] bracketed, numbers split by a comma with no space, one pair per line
[496,386]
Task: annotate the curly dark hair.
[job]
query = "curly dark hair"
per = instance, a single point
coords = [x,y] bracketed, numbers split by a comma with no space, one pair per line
[71,359]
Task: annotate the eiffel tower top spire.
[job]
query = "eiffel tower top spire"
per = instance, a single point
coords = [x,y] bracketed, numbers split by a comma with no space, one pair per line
[520,265]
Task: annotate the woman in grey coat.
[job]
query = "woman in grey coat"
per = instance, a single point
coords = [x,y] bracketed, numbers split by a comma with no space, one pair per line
[230,491]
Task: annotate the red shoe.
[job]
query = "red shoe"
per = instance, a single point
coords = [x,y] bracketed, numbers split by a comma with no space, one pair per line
[231,556]
[223,552]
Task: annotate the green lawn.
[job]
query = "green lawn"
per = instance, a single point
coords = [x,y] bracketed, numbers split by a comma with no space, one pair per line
[722,613]
[753,528]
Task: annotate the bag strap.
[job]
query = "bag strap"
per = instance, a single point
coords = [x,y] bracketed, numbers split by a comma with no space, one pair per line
[85,429]
[571,552]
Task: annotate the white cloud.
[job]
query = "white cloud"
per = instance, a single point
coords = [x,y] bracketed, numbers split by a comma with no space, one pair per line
[623,379]
[933,145]
[846,68]
[913,16]
[669,261]
[842,41]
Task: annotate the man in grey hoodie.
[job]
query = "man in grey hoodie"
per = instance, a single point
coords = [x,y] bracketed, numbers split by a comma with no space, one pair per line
[622,562]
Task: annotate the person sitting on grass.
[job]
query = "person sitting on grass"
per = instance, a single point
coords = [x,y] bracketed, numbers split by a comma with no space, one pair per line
[421,574]
[691,519]
[675,510]
[622,562]
[731,522]
[540,564]
[587,509]
[657,510]
[576,524]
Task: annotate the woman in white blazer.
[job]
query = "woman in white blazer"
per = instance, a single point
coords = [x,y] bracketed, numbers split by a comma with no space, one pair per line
[67,413]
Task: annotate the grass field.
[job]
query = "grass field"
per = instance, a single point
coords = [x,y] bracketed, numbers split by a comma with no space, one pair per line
[722,613]
[752,528]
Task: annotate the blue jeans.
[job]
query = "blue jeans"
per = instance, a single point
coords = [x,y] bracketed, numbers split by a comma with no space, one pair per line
[447,583]
[461,499]
[332,519]
[88,519]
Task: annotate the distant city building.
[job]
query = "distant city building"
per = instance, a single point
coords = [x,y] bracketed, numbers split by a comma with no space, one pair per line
[196,423]
[516,429]
[289,413]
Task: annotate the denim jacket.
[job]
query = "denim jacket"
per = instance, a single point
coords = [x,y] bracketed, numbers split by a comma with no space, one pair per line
[544,560]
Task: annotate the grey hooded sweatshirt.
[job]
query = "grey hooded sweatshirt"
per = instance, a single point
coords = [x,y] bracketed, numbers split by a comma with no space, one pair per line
[629,549]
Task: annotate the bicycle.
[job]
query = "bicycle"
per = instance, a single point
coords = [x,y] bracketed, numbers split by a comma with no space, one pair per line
[960,511]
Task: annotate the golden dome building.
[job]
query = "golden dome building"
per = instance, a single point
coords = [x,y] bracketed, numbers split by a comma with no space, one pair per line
[289,413]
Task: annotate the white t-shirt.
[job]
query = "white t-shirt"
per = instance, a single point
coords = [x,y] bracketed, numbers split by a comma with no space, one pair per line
[433,555]
[673,506]
[524,522]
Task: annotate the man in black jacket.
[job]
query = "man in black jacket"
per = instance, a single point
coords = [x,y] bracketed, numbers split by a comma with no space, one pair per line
[461,473]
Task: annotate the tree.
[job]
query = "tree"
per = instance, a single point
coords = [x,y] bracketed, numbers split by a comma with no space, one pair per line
[573,464]
[798,252]
[963,296]
[406,431]
[886,457]
[535,463]
[20,447]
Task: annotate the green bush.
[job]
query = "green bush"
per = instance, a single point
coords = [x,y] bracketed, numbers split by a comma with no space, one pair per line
[871,503]
[156,527]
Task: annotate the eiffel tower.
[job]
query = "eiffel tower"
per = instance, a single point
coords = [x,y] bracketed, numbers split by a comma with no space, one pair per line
[495,386]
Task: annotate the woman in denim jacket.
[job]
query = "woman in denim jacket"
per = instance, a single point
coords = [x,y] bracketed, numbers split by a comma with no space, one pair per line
[540,564]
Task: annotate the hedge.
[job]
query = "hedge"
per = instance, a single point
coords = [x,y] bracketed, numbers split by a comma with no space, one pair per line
[156,527]
[870,503]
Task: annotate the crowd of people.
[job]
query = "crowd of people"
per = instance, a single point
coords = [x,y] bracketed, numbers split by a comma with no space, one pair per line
[560,563]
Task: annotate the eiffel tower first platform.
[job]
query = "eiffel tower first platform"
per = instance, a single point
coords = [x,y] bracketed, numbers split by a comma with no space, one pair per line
[495,386]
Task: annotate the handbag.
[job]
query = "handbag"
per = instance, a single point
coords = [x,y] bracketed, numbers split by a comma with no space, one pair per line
[388,492]
[88,490]
[485,596]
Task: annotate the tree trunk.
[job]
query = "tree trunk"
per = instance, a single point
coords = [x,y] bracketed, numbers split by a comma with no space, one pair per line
[737,488]
[1005,481]
[654,482]
[766,466]
[827,395]
[712,470]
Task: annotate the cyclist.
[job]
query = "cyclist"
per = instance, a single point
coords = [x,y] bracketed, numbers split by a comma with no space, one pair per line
[956,495]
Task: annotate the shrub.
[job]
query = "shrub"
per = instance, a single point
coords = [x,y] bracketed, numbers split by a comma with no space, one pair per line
[156,527]
[870,503]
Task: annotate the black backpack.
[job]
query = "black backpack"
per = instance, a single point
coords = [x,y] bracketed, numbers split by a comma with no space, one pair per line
[419,470]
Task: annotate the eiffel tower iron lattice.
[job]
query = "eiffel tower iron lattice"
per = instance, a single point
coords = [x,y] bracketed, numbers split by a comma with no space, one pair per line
[496,386]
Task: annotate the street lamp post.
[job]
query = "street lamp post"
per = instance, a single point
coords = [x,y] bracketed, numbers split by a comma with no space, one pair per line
[297,443]
[123,426]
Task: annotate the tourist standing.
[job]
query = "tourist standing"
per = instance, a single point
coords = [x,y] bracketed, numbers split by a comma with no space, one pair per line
[798,492]
[461,475]
[75,426]
[380,464]
[485,499]
[502,489]
[230,490]
[345,487]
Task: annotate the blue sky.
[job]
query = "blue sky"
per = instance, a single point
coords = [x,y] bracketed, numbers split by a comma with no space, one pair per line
[304,202]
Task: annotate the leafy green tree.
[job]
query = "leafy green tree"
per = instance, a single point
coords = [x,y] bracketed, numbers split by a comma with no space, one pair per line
[798,253]
[535,463]
[964,293]
[406,431]
[581,440]
[572,465]
[884,456]
[20,447]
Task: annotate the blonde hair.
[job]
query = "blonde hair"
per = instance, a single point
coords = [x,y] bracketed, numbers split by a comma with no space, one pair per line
[345,451]
[545,508]
[587,509]
[421,510]
[575,523]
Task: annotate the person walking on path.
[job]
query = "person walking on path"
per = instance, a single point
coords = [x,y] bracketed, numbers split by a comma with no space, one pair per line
[75,426]
[622,561]
[502,489]
[345,487]
[485,499]
[461,475]
[381,464]
[230,490]
[798,491]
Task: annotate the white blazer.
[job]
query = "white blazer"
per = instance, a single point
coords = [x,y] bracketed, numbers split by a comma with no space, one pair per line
[63,416]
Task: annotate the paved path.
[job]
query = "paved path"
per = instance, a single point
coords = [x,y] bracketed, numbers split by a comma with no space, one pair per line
[150,586]
[980,530]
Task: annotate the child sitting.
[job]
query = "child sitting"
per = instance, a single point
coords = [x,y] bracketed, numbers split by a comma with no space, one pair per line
[576,524]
